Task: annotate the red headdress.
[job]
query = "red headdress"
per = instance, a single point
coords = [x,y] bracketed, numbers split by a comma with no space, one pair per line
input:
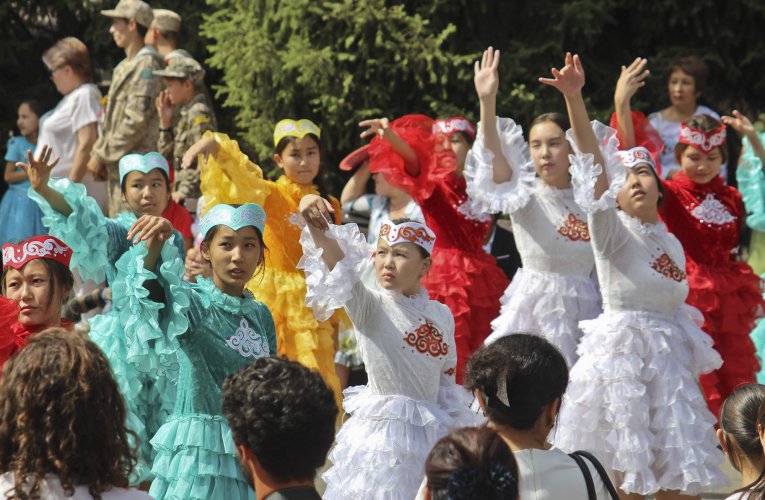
[355,158]
[452,125]
[38,247]
[701,140]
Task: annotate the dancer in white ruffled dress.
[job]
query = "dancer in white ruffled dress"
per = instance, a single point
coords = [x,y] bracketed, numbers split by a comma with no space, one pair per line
[555,288]
[407,343]
[633,397]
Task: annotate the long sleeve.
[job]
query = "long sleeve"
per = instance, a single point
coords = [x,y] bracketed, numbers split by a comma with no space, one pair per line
[751,184]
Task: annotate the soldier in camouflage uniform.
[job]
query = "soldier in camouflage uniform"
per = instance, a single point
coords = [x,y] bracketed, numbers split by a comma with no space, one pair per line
[183,79]
[164,31]
[130,121]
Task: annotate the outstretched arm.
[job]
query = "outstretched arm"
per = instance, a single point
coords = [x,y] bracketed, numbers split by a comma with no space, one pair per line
[631,79]
[486,82]
[317,213]
[38,170]
[380,127]
[743,126]
[569,81]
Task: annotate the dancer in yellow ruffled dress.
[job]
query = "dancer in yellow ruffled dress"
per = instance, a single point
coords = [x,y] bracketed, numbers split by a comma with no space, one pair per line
[228,176]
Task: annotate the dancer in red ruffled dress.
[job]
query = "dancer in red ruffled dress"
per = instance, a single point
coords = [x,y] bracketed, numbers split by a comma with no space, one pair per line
[36,281]
[706,216]
[425,158]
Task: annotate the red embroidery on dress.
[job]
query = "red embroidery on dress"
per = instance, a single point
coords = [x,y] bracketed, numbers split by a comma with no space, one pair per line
[665,266]
[575,229]
[450,371]
[427,340]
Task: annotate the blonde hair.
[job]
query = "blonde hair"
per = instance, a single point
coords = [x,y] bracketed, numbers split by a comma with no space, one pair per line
[71,52]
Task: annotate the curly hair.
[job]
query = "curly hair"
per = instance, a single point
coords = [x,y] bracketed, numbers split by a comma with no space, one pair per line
[284,413]
[61,413]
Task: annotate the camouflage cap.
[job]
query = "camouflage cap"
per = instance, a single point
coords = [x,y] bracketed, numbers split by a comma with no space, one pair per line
[179,66]
[166,21]
[132,9]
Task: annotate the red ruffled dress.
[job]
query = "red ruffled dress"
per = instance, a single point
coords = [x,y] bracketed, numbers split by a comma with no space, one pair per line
[707,220]
[462,275]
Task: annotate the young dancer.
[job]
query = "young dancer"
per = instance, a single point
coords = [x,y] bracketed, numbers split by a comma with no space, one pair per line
[633,397]
[406,342]
[214,327]
[555,288]
[425,158]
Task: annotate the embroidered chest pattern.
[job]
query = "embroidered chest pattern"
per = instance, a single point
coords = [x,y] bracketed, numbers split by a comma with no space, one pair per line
[665,266]
[711,211]
[247,342]
[575,229]
[427,340]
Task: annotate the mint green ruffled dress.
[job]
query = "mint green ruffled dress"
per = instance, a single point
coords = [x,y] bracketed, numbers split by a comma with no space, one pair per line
[751,184]
[212,335]
[98,242]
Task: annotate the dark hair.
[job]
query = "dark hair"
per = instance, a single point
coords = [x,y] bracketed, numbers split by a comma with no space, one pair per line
[559,119]
[402,220]
[34,105]
[740,415]
[170,36]
[533,369]
[164,176]
[282,412]
[692,66]
[319,181]
[468,139]
[707,124]
[61,412]
[61,279]
[472,463]
[263,248]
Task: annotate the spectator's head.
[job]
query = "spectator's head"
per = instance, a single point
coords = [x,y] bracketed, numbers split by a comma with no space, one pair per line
[519,381]
[549,149]
[61,413]
[282,416]
[145,183]
[163,31]
[28,120]
[738,433]
[471,463]
[69,64]
[701,148]
[686,81]
[130,22]
[36,276]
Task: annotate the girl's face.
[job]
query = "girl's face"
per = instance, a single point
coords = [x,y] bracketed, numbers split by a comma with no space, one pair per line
[682,89]
[700,168]
[549,152]
[400,267]
[28,121]
[300,160]
[31,289]
[147,194]
[234,257]
[460,146]
[639,196]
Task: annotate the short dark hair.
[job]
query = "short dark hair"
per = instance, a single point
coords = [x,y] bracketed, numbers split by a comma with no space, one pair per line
[284,413]
[472,462]
[535,373]
[692,66]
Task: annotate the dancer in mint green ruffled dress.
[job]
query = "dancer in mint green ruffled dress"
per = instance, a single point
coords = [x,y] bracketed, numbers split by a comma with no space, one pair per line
[215,327]
[751,183]
[98,242]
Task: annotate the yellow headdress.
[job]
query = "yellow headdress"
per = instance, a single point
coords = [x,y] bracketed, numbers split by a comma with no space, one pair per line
[292,128]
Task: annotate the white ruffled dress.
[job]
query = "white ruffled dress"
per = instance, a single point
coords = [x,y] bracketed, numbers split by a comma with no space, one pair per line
[411,399]
[633,396]
[556,287]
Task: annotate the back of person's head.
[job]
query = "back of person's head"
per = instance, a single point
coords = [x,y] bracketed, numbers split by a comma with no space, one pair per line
[738,422]
[61,413]
[518,376]
[472,463]
[284,414]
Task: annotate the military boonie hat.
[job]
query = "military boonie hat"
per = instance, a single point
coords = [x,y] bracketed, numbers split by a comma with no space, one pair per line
[132,9]
[166,21]
[179,66]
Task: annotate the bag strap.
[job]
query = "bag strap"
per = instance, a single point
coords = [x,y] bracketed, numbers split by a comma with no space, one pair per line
[601,472]
[587,476]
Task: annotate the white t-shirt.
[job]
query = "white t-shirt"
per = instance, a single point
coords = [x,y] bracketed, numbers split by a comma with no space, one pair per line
[51,490]
[58,129]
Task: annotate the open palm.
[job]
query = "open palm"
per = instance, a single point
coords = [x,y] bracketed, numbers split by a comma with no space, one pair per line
[486,77]
[568,80]
[38,170]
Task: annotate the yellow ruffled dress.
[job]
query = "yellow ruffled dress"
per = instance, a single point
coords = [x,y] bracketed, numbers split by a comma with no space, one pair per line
[230,177]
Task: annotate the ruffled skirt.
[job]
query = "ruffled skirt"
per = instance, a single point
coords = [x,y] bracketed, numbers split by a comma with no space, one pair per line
[380,451]
[730,298]
[634,400]
[550,305]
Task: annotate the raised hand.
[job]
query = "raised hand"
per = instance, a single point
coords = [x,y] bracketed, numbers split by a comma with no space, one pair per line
[38,170]
[631,79]
[374,126]
[739,123]
[316,211]
[205,146]
[164,109]
[570,79]
[151,229]
[486,77]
